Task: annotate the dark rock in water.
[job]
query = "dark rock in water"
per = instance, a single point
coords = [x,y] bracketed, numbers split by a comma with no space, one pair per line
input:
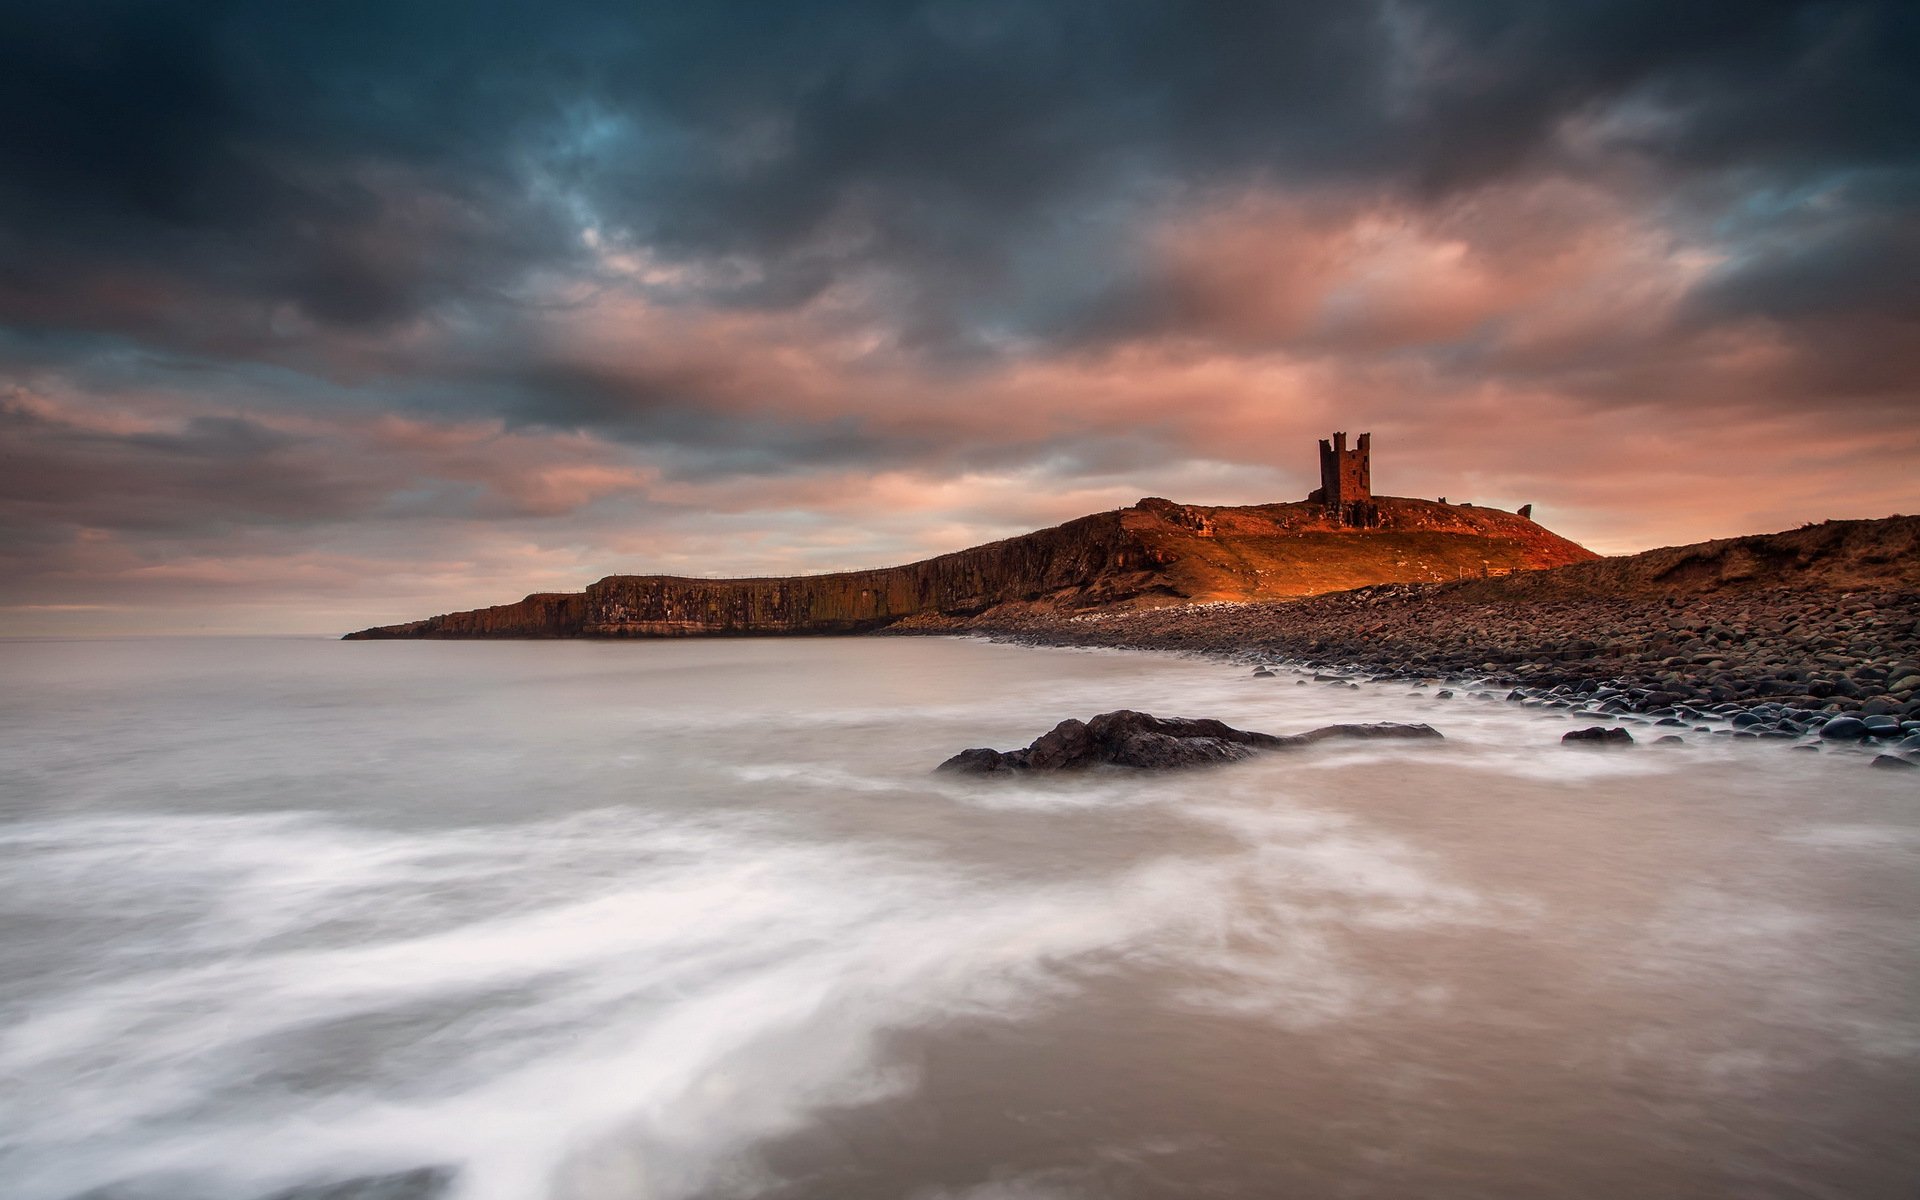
[1668,740]
[1894,761]
[1140,740]
[1262,673]
[1066,743]
[1147,750]
[979,761]
[1598,735]
[1850,729]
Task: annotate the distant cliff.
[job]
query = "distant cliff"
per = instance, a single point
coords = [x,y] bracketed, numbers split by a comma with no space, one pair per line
[1154,553]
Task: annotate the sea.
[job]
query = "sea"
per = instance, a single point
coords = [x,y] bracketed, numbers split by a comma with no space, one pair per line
[303,919]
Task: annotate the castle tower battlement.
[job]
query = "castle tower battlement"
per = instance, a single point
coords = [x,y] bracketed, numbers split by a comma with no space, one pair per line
[1346,481]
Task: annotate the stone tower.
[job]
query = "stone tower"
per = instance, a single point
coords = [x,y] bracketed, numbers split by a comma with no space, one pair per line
[1346,482]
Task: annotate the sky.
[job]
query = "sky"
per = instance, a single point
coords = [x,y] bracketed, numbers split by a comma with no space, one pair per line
[317,316]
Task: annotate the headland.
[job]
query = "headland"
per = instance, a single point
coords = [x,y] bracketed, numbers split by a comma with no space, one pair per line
[1155,553]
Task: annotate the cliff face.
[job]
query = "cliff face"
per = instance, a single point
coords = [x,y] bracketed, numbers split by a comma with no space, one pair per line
[1156,552]
[541,615]
[1092,561]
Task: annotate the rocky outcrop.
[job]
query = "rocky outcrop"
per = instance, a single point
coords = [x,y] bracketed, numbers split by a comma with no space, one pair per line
[1154,553]
[1125,738]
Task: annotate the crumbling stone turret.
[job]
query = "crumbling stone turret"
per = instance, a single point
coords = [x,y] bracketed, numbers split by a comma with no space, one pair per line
[1346,482]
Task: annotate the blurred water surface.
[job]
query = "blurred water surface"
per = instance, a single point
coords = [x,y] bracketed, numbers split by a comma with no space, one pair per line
[601,921]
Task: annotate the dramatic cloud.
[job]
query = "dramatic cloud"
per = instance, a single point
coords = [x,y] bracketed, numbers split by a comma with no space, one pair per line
[316,315]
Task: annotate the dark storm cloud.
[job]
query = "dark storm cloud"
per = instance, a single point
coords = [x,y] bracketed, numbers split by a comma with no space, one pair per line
[206,471]
[181,172]
[1850,250]
[366,163]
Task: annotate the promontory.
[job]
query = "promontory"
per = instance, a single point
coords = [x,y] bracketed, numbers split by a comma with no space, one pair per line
[1153,554]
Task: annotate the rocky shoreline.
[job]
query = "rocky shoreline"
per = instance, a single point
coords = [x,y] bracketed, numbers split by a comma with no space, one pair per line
[1805,664]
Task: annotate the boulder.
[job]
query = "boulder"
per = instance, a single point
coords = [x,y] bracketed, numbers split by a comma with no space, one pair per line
[1598,735]
[1849,729]
[1142,741]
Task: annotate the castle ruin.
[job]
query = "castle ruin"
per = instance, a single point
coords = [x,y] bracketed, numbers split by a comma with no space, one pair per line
[1346,482]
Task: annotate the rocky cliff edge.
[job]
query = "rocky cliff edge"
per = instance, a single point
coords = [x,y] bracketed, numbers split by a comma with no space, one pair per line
[1154,553]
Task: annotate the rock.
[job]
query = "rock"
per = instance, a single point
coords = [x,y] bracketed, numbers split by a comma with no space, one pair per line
[1146,750]
[1262,673]
[1893,761]
[978,761]
[1065,744]
[1125,738]
[1668,740]
[1849,729]
[1597,735]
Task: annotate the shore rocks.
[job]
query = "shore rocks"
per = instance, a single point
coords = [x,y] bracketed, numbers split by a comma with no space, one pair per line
[1142,741]
[1794,657]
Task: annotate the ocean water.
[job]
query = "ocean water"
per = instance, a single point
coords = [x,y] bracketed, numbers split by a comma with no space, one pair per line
[603,921]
